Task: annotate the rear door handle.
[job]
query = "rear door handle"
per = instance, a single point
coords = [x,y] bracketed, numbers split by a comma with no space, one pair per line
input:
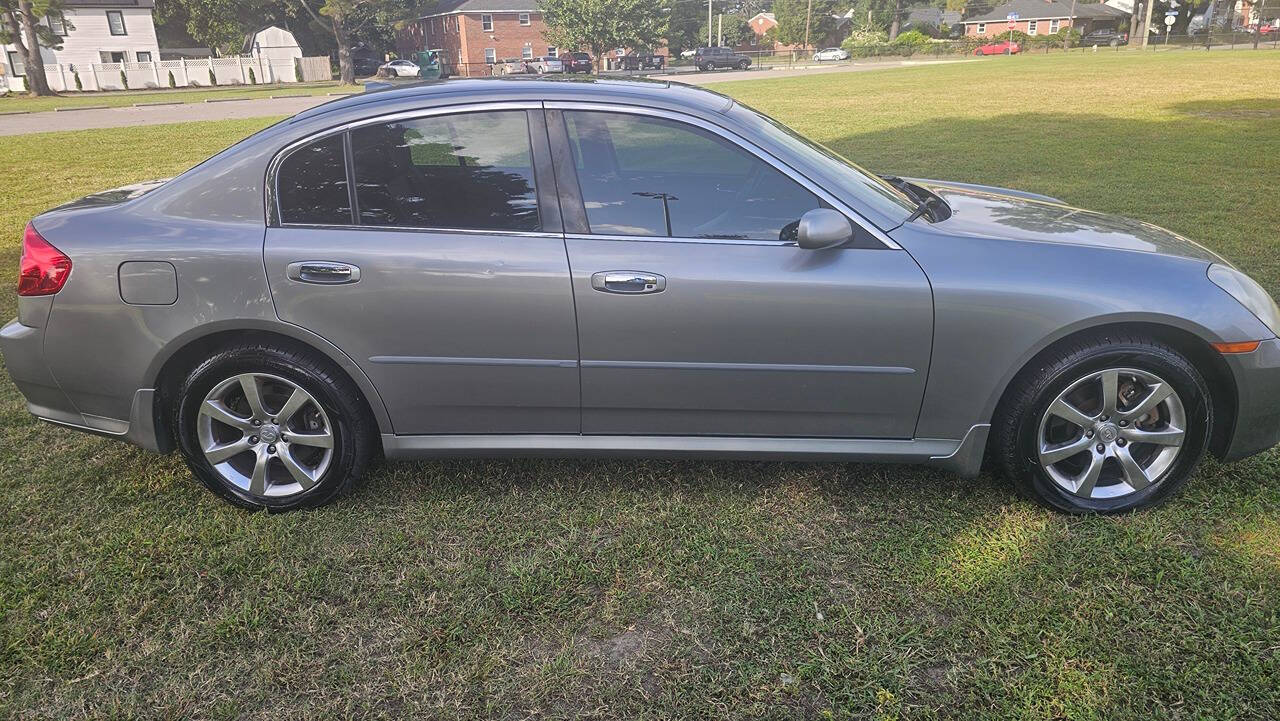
[630,282]
[322,272]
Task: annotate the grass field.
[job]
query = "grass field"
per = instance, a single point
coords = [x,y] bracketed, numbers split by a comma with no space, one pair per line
[547,589]
[124,98]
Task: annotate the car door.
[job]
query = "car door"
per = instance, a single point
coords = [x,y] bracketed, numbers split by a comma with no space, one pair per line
[698,314]
[435,259]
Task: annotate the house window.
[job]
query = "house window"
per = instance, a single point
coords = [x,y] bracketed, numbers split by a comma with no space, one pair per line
[144,56]
[552,53]
[115,20]
[15,62]
[1053,26]
[524,19]
[491,55]
[1031,27]
[982,29]
[526,53]
[486,23]
[57,24]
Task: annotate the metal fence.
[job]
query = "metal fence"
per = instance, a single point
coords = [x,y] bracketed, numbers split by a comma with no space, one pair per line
[205,72]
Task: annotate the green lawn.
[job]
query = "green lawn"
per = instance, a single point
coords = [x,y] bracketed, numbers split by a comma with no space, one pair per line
[627,589]
[122,98]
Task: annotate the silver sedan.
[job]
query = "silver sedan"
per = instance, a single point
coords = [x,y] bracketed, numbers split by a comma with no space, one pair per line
[549,268]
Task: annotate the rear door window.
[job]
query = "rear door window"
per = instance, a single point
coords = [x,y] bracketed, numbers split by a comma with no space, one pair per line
[463,171]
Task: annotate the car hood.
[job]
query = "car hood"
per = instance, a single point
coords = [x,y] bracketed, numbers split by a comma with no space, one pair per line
[987,212]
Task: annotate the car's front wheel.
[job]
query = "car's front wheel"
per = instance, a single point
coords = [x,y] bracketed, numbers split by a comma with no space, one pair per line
[1109,425]
[267,426]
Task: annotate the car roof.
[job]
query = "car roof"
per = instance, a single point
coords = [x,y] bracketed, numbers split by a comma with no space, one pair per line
[636,91]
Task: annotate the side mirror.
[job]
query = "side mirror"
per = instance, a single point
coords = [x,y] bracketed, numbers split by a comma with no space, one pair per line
[823,228]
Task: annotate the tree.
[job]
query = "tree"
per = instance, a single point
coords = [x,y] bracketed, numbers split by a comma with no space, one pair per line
[348,19]
[796,24]
[22,28]
[737,31]
[601,25]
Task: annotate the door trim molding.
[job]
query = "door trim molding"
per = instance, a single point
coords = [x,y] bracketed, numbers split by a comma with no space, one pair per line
[781,367]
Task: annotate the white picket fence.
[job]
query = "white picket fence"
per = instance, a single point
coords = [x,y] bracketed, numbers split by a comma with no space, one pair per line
[186,73]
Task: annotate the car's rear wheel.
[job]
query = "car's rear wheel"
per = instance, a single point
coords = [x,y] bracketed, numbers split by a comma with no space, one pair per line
[744,64]
[273,427]
[1109,425]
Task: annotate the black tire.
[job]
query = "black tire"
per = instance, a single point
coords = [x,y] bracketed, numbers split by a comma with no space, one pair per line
[342,402]
[744,64]
[1015,432]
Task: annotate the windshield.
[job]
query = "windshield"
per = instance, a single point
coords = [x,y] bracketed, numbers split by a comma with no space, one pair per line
[856,182]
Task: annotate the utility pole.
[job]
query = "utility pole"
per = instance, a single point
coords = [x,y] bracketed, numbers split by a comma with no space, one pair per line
[708,23]
[808,16]
[1067,41]
[1146,26]
[720,29]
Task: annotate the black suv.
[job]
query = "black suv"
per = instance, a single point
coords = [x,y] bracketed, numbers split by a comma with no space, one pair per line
[712,58]
[1104,36]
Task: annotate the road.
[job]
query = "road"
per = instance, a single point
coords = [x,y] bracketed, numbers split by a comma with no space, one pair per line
[190,112]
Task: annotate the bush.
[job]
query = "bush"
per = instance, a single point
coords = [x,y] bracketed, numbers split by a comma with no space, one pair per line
[253,79]
[124,79]
[172,83]
[297,69]
[213,79]
[76,75]
[914,39]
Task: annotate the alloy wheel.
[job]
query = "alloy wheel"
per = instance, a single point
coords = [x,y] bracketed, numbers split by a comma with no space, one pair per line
[1111,433]
[265,435]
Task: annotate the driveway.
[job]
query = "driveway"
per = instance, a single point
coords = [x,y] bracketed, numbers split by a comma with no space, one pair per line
[50,121]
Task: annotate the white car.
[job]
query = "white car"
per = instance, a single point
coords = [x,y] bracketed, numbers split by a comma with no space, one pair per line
[546,64]
[400,68]
[830,54]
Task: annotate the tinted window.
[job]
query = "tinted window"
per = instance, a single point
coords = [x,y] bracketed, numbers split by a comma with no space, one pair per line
[639,175]
[472,170]
[312,183]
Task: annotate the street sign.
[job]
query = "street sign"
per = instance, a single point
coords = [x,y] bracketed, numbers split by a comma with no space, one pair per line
[1169,19]
[1171,13]
[1011,17]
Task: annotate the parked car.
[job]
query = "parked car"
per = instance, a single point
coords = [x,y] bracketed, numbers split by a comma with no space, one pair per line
[512,66]
[1105,36]
[712,58]
[399,69]
[1001,48]
[546,64]
[830,54]
[638,61]
[271,322]
[578,63]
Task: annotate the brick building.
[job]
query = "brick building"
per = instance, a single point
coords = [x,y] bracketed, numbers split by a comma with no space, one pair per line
[477,33]
[1045,17]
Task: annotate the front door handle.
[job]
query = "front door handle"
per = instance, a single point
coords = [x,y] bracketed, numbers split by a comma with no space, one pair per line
[323,272]
[631,282]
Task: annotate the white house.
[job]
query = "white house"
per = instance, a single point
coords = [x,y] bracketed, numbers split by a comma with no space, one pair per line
[95,31]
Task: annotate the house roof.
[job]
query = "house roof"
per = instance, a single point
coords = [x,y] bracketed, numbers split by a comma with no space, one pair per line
[1044,9]
[450,7]
[935,16]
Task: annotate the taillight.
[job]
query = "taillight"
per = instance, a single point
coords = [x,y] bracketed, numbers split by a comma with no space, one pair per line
[43,269]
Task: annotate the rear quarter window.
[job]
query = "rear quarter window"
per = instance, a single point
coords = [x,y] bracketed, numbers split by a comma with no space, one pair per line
[311,185]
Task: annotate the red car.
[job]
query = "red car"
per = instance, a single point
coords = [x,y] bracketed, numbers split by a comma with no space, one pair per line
[1004,48]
